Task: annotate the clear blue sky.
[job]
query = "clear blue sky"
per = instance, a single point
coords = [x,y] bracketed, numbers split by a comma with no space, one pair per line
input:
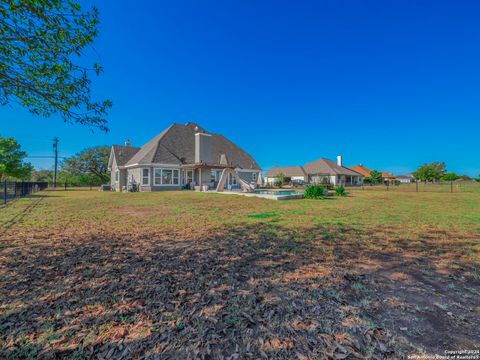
[390,84]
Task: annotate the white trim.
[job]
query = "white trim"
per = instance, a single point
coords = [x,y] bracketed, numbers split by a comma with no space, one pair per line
[142,176]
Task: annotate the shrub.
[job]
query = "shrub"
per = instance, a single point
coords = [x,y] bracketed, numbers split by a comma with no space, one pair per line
[314,192]
[279,180]
[397,182]
[340,191]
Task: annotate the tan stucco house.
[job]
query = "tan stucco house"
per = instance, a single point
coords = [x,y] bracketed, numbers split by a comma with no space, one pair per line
[181,157]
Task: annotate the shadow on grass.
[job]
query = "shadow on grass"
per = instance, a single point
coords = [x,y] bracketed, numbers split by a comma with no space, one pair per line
[252,291]
[19,216]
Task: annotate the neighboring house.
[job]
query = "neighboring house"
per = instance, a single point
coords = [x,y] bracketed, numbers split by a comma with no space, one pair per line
[405,179]
[180,157]
[325,171]
[386,177]
[295,173]
[321,171]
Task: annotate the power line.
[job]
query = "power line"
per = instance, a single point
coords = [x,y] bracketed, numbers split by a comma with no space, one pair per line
[45,157]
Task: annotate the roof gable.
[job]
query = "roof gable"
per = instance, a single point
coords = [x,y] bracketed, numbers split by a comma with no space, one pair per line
[121,154]
[324,166]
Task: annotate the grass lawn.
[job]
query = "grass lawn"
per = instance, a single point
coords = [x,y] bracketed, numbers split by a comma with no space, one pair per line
[192,275]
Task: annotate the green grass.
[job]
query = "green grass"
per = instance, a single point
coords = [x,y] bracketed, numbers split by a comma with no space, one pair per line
[189,210]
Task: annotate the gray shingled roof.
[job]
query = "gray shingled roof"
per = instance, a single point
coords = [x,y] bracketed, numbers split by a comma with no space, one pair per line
[123,153]
[286,170]
[405,176]
[327,167]
[176,145]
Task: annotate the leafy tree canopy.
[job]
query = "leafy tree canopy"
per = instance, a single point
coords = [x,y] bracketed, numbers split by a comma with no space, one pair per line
[451,176]
[40,44]
[279,180]
[375,177]
[42,175]
[90,163]
[430,172]
[12,160]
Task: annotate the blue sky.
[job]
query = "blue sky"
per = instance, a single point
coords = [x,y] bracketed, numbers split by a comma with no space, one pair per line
[389,84]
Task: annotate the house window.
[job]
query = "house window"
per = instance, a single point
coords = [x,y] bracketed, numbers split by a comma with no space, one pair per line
[145,176]
[254,176]
[166,176]
[116,175]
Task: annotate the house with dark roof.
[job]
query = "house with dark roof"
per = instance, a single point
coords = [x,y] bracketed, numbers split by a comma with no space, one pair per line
[295,173]
[321,171]
[180,157]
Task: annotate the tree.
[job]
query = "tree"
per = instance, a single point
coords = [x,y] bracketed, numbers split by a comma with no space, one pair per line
[451,176]
[279,180]
[430,172]
[42,175]
[40,41]
[12,160]
[90,164]
[375,177]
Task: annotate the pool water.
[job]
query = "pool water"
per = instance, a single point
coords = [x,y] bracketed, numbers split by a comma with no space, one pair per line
[280,192]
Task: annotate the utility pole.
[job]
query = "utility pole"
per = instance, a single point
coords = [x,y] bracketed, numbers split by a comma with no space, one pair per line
[55,150]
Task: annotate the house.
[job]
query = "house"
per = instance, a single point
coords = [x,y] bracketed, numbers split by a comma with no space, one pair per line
[387,178]
[325,171]
[405,179]
[295,173]
[321,171]
[181,157]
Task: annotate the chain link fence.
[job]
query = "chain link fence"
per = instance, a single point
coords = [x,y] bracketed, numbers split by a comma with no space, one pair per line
[10,190]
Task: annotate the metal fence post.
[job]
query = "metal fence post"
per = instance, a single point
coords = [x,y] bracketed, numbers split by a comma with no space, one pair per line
[65,186]
[5,192]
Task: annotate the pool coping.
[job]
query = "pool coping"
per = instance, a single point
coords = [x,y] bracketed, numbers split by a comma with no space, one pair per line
[264,196]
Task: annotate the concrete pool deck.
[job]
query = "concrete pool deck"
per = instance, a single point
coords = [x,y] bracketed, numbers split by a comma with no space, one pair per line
[265,196]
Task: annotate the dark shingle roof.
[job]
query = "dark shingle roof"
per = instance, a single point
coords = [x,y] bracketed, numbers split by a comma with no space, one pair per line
[405,176]
[286,170]
[176,145]
[327,167]
[123,153]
